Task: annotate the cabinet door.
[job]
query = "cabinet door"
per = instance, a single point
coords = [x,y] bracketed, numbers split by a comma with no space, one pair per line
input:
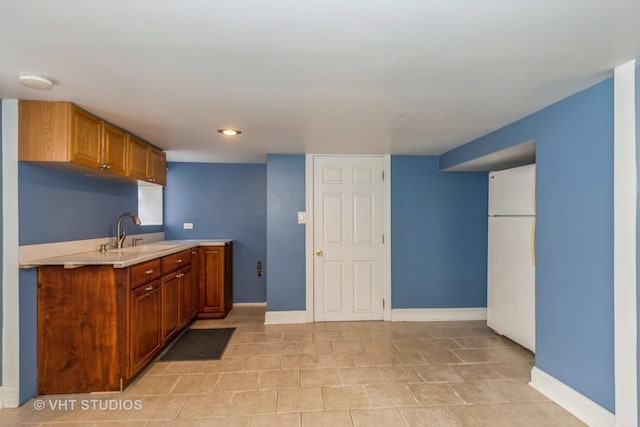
[144,327]
[43,131]
[137,158]
[228,277]
[170,287]
[188,296]
[85,145]
[211,266]
[114,156]
[195,281]
[157,166]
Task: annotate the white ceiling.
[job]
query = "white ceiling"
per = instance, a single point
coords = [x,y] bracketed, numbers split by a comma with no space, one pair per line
[324,76]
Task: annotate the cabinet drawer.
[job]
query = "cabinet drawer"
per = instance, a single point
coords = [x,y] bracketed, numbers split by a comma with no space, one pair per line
[145,272]
[173,262]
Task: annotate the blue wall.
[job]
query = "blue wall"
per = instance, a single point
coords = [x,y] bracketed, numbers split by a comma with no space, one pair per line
[56,205]
[285,237]
[574,235]
[28,334]
[439,235]
[222,201]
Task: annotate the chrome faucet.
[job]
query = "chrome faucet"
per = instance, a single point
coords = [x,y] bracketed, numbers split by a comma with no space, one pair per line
[120,232]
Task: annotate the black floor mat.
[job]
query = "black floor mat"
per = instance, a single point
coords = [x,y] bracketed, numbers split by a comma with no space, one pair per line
[199,344]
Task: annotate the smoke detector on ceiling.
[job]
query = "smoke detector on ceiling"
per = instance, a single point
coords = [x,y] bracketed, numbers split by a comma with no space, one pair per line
[36,81]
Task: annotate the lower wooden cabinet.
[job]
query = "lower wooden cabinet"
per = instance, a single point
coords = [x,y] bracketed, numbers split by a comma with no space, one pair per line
[179,301]
[82,332]
[99,326]
[188,291]
[145,326]
[215,265]
[170,305]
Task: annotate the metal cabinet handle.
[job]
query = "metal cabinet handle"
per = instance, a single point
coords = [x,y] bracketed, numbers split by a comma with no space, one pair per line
[149,271]
[319,252]
[149,288]
[179,261]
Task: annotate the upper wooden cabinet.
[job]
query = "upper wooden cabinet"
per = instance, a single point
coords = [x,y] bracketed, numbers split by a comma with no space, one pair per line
[85,140]
[63,135]
[157,166]
[138,158]
[146,163]
[114,149]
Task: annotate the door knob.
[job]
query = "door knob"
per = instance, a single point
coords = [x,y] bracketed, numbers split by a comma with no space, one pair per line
[319,252]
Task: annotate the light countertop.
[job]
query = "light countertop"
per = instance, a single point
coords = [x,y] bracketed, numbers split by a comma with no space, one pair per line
[120,258]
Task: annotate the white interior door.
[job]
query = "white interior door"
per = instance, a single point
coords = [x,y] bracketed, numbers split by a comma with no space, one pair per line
[348,227]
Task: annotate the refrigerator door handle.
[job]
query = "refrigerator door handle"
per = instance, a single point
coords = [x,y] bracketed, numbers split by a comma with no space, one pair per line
[533,243]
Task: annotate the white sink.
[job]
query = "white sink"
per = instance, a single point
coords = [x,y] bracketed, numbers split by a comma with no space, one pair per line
[144,248]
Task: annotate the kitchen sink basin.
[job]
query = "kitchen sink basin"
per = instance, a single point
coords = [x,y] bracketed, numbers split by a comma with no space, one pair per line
[144,248]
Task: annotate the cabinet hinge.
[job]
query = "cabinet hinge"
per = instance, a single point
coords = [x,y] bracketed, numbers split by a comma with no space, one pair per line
[383,238]
[383,175]
[382,302]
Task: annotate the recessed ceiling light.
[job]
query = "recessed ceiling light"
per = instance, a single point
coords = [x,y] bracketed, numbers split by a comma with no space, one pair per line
[36,81]
[229,132]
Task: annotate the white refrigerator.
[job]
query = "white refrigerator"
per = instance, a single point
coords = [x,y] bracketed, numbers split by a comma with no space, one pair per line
[511,254]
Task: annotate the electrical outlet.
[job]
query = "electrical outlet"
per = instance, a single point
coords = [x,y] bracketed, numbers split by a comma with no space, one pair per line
[302,217]
[188,226]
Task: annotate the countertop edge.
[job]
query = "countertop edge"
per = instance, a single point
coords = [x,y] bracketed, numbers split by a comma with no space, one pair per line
[75,260]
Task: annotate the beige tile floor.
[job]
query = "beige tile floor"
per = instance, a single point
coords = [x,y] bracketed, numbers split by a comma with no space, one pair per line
[326,374]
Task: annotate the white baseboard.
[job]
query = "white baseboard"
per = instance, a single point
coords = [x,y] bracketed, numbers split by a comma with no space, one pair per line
[9,397]
[579,405]
[276,317]
[249,304]
[431,314]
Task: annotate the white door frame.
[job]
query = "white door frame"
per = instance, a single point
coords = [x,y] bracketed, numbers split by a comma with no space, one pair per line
[625,175]
[10,385]
[309,243]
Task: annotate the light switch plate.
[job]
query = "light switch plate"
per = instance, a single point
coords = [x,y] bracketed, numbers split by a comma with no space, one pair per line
[188,226]
[302,217]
